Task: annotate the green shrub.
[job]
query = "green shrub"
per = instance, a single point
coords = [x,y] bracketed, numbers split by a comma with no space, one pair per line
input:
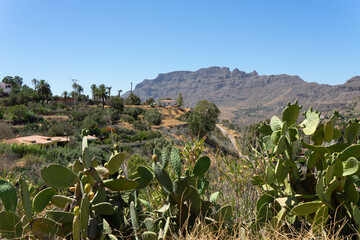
[21,114]
[133,111]
[92,123]
[141,125]
[158,143]
[31,160]
[127,118]
[116,103]
[38,108]
[152,116]
[135,161]
[22,149]
[145,135]
[78,115]
[133,100]
[64,128]
[6,131]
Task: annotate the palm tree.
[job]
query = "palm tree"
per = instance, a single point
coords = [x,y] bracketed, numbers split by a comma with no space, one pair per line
[43,89]
[65,94]
[74,85]
[79,89]
[109,89]
[94,90]
[119,92]
[73,94]
[35,82]
[102,94]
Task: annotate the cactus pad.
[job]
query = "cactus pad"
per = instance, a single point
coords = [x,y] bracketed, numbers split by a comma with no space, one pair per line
[311,122]
[42,199]
[10,225]
[175,161]
[61,201]
[58,176]
[44,228]
[163,177]
[291,114]
[120,184]
[60,216]
[306,208]
[103,208]
[350,166]
[149,236]
[201,166]
[25,199]
[115,162]
[145,173]
[8,195]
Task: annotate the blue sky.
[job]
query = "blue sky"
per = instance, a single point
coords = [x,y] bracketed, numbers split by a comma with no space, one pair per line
[118,42]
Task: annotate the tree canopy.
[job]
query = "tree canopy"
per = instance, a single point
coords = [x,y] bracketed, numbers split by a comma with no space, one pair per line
[203,118]
[16,82]
[180,100]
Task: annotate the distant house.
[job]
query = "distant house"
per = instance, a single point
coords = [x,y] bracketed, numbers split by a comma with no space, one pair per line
[5,87]
[164,103]
[43,141]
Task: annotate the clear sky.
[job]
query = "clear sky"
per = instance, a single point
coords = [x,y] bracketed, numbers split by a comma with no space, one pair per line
[118,42]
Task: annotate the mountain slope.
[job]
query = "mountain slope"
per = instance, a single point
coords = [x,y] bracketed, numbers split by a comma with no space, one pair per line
[247,97]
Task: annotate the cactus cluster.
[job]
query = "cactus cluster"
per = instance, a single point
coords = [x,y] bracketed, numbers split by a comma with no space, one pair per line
[184,199]
[93,207]
[86,200]
[311,171]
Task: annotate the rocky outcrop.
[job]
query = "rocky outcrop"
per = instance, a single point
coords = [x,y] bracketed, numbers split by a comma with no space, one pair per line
[242,95]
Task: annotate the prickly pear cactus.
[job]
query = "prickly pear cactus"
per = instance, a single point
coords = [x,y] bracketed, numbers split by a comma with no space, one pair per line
[183,193]
[93,208]
[311,171]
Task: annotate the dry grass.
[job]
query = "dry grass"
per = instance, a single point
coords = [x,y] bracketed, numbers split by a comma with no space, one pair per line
[57,118]
[202,231]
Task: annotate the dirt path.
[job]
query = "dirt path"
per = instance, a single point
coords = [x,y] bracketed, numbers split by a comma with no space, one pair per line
[230,136]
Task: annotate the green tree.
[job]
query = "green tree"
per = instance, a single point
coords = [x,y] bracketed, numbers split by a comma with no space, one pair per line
[43,89]
[79,89]
[16,82]
[117,103]
[203,118]
[153,116]
[20,113]
[180,100]
[150,101]
[102,94]
[65,95]
[64,128]
[133,99]
[35,82]
[22,96]
[94,90]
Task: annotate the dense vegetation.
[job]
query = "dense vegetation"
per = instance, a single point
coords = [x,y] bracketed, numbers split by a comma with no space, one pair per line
[300,175]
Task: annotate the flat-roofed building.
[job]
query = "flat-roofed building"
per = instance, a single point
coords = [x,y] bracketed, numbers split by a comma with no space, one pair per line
[43,141]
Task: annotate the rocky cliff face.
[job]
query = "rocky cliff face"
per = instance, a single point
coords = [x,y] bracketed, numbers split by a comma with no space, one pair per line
[247,96]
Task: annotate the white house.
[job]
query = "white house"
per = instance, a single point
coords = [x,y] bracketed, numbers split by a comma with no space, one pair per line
[5,87]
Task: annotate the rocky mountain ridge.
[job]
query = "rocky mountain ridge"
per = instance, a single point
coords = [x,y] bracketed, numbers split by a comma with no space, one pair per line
[248,97]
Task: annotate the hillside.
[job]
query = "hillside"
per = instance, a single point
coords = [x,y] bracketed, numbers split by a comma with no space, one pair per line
[248,97]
